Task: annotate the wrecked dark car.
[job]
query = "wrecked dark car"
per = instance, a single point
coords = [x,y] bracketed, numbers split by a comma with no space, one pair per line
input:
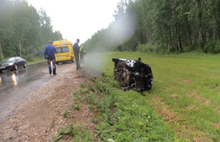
[133,74]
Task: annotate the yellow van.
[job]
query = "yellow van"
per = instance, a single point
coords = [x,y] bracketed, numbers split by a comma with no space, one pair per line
[64,51]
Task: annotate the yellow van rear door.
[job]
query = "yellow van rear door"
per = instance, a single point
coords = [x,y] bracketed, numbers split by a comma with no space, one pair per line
[63,54]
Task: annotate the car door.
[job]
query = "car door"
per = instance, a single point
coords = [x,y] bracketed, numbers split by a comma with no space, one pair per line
[19,61]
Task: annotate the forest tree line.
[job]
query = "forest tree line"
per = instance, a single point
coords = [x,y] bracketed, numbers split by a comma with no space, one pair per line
[24,31]
[162,26]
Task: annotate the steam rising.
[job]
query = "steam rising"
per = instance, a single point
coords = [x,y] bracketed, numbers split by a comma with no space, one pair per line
[117,34]
[94,63]
[122,29]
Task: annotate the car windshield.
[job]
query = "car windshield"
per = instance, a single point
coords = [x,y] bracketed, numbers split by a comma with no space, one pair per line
[8,60]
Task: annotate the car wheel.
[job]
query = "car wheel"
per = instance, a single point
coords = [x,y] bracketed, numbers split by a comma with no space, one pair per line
[72,60]
[15,67]
[57,63]
[0,71]
[25,65]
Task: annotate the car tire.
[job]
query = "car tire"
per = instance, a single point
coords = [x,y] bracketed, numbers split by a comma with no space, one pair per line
[57,63]
[0,71]
[25,65]
[15,67]
[72,60]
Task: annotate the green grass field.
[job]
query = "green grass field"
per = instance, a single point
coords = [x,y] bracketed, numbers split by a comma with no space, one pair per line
[183,105]
[185,93]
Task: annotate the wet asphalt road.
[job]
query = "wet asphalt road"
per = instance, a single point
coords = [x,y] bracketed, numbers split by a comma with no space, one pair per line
[16,85]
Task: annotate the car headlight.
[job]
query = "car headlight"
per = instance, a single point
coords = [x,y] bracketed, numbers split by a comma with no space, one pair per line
[10,64]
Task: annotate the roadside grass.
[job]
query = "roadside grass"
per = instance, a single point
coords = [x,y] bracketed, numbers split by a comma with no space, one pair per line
[35,60]
[117,115]
[185,95]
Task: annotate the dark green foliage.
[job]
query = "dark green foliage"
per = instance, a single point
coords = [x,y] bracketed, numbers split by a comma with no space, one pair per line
[23,31]
[29,58]
[171,25]
[212,47]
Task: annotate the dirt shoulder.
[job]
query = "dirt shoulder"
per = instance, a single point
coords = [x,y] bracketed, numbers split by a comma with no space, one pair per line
[41,117]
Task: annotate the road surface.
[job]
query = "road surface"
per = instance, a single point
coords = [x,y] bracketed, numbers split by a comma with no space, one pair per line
[15,86]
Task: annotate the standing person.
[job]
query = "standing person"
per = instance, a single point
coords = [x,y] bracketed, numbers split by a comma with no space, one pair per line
[76,53]
[49,54]
[81,52]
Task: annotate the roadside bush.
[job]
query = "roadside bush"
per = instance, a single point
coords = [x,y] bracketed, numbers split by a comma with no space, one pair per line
[29,57]
[212,47]
[162,49]
[146,48]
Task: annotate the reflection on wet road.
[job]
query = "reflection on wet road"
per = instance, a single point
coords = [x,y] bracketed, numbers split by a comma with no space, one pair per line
[16,85]
[14,79]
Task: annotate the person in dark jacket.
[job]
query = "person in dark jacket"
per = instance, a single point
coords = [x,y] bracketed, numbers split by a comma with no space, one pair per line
[76,53]
[49,54]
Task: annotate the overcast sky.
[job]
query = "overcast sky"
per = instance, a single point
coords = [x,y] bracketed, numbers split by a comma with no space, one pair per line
[78,18]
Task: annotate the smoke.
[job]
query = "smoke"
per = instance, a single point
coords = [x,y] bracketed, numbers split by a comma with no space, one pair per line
[122,29]
[117,34]
[94,63]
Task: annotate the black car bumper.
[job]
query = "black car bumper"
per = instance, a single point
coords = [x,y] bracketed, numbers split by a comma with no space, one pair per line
[6,67]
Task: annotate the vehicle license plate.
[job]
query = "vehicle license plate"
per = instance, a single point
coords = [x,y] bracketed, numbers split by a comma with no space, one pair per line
[58,56]
[2,67]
